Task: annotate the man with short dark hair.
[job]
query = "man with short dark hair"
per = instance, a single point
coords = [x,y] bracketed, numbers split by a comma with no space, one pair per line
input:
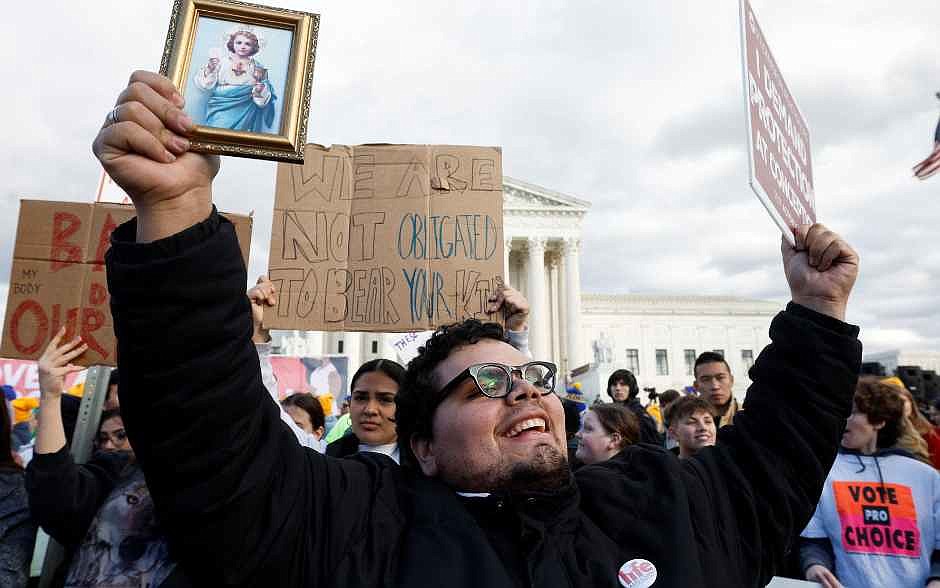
[487,498]
[714,382]
[691,424]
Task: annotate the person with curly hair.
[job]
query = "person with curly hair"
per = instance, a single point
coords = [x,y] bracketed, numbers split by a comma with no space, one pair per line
[489,498]
[878,519]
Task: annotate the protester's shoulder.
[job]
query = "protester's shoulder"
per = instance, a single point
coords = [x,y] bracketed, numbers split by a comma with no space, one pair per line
[641,462]
[912,466]
[345,446]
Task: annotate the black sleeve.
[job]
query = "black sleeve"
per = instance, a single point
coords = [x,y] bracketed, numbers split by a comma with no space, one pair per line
[64,497]
[241,502]
[767,471]
[648,432]
[816,551]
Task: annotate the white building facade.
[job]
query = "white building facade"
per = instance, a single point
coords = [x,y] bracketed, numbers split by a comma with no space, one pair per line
[652,335]
[658,337]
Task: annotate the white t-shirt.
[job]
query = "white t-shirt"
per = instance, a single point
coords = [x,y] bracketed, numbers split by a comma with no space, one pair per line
[883,528]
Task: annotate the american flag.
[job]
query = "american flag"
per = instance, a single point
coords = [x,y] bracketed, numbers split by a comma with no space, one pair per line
[931,165]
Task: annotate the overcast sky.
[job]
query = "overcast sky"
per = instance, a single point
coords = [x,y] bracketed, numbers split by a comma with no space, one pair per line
[635,106]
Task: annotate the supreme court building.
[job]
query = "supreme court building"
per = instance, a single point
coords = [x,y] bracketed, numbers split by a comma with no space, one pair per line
[653,335]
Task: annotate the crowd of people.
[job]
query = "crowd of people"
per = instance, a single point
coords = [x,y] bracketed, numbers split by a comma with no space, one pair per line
[464,468]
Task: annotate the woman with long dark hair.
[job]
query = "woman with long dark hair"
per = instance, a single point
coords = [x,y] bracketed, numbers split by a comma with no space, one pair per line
[372,394]
[100,511]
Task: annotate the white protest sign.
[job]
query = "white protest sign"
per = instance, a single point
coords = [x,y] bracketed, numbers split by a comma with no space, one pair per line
[406,345]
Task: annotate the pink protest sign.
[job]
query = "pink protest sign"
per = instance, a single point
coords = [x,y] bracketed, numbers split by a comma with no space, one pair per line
[780,162]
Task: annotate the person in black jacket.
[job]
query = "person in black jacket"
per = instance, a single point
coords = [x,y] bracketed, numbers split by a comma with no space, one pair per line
[100,511]
[623,389]
[491,502]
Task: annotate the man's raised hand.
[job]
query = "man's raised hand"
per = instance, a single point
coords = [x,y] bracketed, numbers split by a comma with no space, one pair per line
[143,147]
[821,269]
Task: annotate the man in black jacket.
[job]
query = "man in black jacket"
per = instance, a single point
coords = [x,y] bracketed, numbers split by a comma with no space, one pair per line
[490,501]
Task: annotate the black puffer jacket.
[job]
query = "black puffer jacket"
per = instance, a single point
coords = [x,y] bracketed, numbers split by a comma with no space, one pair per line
[224,471]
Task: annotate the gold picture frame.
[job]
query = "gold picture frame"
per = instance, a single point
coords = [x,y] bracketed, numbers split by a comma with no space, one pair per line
[241,105]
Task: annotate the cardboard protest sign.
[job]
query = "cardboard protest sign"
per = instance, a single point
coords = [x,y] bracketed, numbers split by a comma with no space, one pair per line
[58,277]
[387,238]
[779,155]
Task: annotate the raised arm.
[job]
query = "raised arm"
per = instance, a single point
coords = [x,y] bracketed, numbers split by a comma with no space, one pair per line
[222,468]
[770,466]
[63,496]
[264,294]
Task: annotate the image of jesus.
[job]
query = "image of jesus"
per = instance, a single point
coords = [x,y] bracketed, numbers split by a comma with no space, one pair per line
[240,96]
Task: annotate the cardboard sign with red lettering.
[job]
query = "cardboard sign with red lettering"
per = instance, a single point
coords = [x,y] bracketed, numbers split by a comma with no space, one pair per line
[779,159]
[58,277]
[387,238]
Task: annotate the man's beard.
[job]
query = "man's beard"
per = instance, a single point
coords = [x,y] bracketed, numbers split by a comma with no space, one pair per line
[547,471]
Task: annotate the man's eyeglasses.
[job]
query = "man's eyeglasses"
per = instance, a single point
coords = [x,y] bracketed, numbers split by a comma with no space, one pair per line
[495,380]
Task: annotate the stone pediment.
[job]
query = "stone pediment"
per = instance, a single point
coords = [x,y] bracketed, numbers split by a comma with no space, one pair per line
[519,195]
[600,304]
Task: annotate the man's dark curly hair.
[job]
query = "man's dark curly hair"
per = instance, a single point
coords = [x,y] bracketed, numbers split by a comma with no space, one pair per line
[418,398]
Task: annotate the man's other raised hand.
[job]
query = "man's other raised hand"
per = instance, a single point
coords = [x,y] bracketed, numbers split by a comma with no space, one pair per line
[821,269]
[143,146]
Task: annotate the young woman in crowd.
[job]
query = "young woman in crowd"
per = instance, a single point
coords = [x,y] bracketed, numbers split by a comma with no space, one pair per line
[921,438]
[100,511]
[307,413]
[877,519]
[17,528]
[623,389]
[372,411]
[606,429]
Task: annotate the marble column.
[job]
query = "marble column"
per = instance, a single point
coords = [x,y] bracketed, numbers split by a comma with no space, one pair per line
[507,248]
[538,301]
[564,365]
[573,302]
[556,336]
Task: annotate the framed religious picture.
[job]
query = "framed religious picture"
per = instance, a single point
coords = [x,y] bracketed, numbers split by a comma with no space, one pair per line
[245,72]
